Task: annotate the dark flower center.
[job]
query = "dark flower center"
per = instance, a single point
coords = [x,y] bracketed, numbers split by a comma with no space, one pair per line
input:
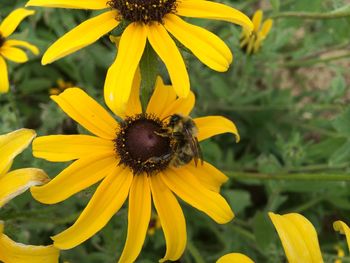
[2,40]
[144,11]
[140,145]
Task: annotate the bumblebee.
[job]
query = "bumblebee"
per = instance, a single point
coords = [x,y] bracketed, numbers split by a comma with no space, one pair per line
[182,132]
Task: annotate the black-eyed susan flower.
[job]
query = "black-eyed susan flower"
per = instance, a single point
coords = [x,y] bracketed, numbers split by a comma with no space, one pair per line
[150,20]
[251,42]
[9,48]
[234,258]
[12,184]
[132,158]
[154,224]
[61,86]
[11,251]
[17,181]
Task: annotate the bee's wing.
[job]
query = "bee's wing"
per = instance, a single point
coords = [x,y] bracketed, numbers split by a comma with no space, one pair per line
[195,147]
[200,153]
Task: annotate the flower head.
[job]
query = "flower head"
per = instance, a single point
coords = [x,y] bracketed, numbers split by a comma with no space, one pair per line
[136,158]
[152,21]
[9,48]
[251,42]
[12,184]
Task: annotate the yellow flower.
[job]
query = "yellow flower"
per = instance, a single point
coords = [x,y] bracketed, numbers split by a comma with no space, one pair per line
[61,86]
[252,41]
[11,251]
[342,228]
[340,254]
[9,47]
[234,258]
[16,182]
[154,224]
[299,237]
[148,20]
[132,158]
[12,184]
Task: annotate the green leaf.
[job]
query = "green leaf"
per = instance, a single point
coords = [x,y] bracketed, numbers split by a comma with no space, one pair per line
[263,230]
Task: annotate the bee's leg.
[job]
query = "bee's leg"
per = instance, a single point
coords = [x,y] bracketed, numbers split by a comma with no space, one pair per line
[163,133]
[165,157]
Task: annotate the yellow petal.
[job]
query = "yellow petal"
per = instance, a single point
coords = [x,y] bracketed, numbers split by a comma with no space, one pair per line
[213,125]
[208,47]
[12,144]
[341,227]
[257,17]
[211,10]
[139,215]
[76,177]
[4,81]
[106,201]
[74,4]
[162,97]
[298,237]
[257,43]
[133,106]
[14,54]
[164,103]
[266,27]
[62,148]
[207,175]
[167,50]
[87,112]
[234,258]
[11,22]
[188,188]
[81,36]
[12,252]
[20,43]
[120,75]
[18,181]
[180,106]
[171,218]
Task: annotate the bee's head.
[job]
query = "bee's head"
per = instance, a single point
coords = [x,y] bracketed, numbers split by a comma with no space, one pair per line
[174,119]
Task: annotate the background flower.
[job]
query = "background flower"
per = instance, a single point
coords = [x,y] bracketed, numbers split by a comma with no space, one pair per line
[9,48]
[12,184]
[149,20]
[251,42]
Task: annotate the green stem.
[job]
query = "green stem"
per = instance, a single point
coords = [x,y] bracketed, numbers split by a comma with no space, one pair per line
[310,62]
[290,177]
[242,232]
[194,252]
[305,206]
[338,13]
[13,103]
[149,71]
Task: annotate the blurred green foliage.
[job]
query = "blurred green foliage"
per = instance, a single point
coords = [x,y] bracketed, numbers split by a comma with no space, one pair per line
[289,101]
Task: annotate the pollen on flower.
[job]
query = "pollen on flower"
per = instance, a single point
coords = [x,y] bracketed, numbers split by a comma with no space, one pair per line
[140,145]
[145,11]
